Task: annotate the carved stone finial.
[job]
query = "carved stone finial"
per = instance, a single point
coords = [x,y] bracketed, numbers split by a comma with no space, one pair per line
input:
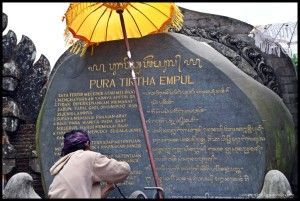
[11,76]
[24,54]
[10,114]
[34,162]
[9,43]
[30,89]
[276,185]
[20,186]
[4,21]
[8,154]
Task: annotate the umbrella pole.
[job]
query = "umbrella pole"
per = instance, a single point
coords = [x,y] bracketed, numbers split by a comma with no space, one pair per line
[140,108]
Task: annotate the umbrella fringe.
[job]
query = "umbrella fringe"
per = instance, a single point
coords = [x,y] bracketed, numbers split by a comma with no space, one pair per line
[176,20]
[69,39]
[75,9]
[83,49]
[77,46]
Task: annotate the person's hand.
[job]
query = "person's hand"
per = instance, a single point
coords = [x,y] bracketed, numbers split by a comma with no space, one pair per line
[106,189]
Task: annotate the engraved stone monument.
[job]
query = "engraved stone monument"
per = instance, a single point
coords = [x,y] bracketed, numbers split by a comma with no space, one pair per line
[214,130]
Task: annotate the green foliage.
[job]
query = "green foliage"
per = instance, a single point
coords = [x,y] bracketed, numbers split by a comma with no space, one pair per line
[295,60]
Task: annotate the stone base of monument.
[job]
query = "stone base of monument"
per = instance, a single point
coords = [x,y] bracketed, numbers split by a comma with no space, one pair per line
[214,130]
[20,186]
[276,185]
[138,195]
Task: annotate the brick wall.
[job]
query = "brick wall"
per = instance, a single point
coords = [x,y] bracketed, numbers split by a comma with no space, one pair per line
[24,143]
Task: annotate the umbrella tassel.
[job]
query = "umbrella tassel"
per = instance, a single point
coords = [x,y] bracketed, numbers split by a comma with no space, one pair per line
[83,49]
[72,49]
[79,48]
[176,20]
[75,48]
[68,38]
[92,50]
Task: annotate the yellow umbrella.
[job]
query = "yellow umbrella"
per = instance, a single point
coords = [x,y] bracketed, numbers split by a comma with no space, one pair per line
[99,22]
[93,23]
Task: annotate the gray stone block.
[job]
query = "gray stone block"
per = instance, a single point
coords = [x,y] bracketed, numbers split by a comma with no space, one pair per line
[276,185]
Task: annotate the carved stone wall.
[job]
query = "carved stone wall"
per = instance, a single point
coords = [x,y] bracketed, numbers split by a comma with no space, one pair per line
[288,80]
[24,85]
[25,155]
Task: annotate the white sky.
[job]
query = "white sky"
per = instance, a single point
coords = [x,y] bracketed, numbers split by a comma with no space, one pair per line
[42,22]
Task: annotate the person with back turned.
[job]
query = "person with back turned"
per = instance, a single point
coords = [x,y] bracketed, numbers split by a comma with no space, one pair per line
[79,171]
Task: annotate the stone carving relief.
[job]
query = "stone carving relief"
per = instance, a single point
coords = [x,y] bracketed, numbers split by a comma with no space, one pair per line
[261,72]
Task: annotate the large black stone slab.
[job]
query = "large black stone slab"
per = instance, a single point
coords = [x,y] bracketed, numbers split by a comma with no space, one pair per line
[211,125]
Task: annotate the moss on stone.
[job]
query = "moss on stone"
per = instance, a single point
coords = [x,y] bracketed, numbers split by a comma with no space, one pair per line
[278,151]
[37,140]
